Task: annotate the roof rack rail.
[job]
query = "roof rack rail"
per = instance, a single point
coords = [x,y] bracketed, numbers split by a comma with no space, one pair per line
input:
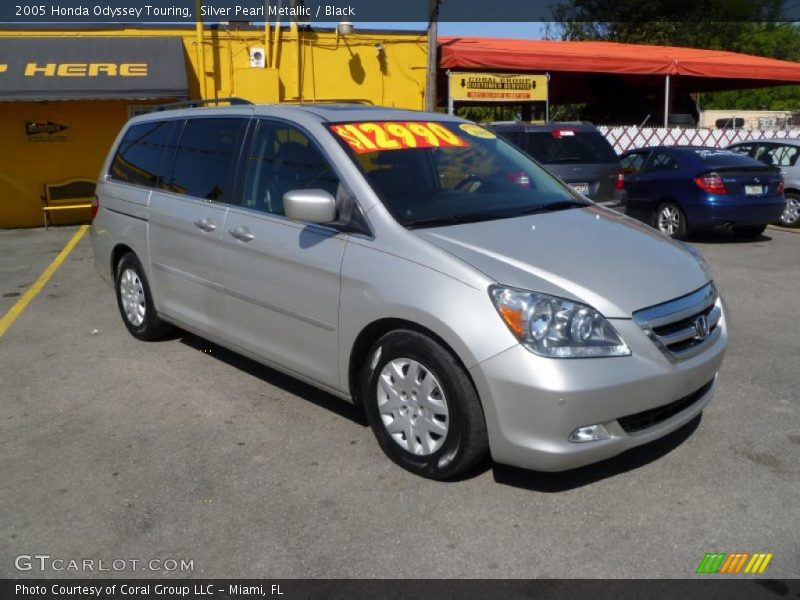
[233,101]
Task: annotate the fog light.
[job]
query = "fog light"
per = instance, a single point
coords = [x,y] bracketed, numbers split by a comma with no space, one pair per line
[590,433]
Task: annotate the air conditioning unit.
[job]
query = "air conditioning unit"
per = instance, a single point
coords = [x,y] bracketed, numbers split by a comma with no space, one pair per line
[258,58]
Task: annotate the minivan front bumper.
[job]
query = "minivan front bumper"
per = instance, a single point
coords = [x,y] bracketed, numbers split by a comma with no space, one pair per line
[532,404]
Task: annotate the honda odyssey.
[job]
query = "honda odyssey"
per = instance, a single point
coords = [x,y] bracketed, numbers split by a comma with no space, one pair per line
[414,264]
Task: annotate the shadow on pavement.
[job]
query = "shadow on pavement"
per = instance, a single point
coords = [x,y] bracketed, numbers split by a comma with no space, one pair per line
[725,236]
[505,475]
[276,378]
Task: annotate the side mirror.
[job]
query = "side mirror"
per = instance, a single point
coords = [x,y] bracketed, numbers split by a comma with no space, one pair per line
[311,206]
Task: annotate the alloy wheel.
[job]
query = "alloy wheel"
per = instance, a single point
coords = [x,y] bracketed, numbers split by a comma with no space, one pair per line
[791,213]
[669,220]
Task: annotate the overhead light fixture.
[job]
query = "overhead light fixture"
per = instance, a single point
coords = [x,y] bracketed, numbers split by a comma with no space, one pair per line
[344,28]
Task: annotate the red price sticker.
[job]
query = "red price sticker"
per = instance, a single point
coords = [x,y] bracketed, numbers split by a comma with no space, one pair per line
[396,135]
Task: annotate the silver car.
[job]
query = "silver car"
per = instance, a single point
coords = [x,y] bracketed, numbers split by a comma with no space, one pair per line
[417,265]
[782,153]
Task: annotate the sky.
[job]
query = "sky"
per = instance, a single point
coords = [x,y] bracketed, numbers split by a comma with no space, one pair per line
[516,29]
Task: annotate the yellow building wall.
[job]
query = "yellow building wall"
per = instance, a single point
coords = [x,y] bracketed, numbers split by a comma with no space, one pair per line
[376,68]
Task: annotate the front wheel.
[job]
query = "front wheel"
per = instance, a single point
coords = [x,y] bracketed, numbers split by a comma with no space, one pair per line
[671,221]
[750,232]
[422,406]
[791,214]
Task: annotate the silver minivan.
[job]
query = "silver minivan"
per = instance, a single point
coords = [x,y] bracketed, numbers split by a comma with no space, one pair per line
[417,265]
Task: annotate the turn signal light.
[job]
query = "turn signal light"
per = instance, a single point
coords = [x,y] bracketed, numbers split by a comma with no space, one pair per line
[711,183]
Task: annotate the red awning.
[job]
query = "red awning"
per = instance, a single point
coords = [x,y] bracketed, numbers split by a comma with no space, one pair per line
[712,69]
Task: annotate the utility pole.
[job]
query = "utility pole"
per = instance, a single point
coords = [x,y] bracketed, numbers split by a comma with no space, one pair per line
[430,84]
[201,49]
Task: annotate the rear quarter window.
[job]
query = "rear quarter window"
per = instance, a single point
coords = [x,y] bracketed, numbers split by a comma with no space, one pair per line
[204,160]
[139,156]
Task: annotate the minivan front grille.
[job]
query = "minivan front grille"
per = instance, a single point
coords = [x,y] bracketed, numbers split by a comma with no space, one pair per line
[654,416]
[683,327]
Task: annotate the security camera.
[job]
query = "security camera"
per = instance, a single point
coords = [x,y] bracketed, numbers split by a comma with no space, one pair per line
[258,58]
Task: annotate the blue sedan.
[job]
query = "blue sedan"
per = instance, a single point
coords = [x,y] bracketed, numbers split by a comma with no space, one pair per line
[680,189]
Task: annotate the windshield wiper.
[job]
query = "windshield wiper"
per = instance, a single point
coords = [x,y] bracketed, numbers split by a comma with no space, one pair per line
[454,220]
[553,206]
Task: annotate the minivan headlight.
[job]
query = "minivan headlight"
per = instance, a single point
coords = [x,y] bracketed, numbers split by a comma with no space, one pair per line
[555,327]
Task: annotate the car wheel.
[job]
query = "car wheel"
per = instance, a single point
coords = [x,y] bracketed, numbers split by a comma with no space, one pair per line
[749,232]
[422,406]
[791,214]
[135,301]
[671,221]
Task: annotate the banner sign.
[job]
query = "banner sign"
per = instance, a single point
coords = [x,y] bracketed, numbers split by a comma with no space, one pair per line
[497,87]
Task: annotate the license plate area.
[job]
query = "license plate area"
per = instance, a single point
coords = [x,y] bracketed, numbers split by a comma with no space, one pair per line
[754,190]
[581,188]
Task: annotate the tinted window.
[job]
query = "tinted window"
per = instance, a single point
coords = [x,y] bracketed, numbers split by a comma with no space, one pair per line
[634,162]
[139,156]
[281,159]
[562,146]
[661,161]
[204,161]
[743,149]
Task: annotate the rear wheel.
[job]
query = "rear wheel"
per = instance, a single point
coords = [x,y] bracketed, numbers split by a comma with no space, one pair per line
[791,214]
[135,301]
[671,221]
[749,232]
[422,406]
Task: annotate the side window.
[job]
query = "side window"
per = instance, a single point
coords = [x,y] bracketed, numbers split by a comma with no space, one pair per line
[661,162]
[281,159]
[633,163]
[743,149]
[789,158]
[783,156]
[204,160]
[139,156]
[764,153]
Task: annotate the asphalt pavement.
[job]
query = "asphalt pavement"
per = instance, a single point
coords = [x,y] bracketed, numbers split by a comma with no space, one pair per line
[115,449]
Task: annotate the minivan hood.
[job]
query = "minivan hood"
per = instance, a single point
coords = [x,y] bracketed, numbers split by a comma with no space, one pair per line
[593,255]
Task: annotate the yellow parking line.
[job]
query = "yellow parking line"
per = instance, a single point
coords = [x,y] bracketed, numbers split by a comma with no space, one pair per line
[37,286]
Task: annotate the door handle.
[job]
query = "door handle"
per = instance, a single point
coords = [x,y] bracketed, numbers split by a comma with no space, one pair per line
[242,234]
[205,224]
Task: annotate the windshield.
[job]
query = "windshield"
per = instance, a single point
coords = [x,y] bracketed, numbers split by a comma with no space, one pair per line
[440,173]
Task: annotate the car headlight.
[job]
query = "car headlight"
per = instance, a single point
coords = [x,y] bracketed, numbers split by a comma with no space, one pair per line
[555,327]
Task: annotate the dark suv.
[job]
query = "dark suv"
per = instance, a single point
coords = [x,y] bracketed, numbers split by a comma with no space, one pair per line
[575,152]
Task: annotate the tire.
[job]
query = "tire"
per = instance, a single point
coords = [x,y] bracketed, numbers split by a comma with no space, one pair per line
[791,214]
[749,232]
[135,302]
[671,221]
[448,434]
